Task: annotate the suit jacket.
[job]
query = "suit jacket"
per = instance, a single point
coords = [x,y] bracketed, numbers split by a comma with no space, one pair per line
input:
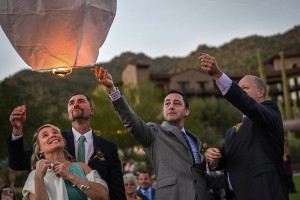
[172,162]
[140,193]
[108,167]
[253,156]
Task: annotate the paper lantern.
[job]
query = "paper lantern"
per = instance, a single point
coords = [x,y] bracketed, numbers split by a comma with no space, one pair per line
[57,34]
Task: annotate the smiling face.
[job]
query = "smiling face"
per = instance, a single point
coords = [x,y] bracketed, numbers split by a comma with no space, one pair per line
[49,139]
[130,187]
[79,108]
[174,109]
[144,180]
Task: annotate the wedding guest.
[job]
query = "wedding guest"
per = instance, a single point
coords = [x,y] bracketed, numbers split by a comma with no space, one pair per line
[55,176]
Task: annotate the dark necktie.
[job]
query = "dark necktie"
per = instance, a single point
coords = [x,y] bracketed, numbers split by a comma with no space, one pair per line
[81,149]
[192,146]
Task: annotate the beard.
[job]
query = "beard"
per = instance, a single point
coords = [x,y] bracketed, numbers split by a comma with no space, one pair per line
[76,116]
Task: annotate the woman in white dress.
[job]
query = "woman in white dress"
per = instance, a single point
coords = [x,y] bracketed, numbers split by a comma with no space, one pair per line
[55,176]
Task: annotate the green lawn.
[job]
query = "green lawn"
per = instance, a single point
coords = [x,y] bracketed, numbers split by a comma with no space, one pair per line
[297,183]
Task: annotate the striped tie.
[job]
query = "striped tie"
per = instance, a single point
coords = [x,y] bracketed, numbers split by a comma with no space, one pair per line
[81,150]
[192,146]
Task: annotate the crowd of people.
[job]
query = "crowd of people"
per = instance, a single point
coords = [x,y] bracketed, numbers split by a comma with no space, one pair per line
[78,164]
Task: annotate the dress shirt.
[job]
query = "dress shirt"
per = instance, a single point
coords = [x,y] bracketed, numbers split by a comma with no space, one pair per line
[224,83]
[115,96]
[193,146]
[147,193]
[88,143]
[15,137]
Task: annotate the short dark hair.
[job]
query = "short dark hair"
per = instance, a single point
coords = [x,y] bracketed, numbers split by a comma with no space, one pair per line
[144,172]
[185,98]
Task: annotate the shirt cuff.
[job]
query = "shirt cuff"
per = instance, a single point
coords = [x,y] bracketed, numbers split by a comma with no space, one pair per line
[224,83]
[115,96]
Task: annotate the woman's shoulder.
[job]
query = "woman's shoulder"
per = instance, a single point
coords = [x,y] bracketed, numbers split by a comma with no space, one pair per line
[86,169]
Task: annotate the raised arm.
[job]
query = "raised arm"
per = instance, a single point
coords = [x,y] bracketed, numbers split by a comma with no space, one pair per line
[19,158]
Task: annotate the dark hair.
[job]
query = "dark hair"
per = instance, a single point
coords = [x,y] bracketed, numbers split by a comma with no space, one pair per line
[185,99]
[87,97]
[144,172]
[8,186]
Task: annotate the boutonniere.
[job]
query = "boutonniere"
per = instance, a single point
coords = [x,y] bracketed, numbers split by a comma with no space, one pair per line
[204,148]
[138,198]
[98,155]
[237,127]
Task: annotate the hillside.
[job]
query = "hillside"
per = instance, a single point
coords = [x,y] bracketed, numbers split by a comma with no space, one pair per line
[49,94]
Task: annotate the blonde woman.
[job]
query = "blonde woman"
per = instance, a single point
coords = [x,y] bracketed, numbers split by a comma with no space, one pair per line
[55,176]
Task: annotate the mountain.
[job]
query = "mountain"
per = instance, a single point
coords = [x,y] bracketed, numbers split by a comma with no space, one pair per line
[46,95]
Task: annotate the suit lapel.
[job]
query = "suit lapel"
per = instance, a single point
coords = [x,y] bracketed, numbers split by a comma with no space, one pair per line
[173,129]
[70,142]
[97,142]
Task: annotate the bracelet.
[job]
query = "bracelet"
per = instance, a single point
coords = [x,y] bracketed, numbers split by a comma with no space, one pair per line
[74,185]
[85,187]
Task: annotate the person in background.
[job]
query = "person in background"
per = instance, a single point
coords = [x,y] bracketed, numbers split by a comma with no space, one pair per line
[129,166]
[100,154]
[7,193]
[130,185]
[145,188]
[253,149]
[55,176]
[173,151]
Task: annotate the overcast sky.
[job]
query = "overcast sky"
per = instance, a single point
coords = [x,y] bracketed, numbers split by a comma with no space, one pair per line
[177,27]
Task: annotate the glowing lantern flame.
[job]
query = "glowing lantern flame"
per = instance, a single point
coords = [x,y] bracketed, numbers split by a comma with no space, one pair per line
[57,34]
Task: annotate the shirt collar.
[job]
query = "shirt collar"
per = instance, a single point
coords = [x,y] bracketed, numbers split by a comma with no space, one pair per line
[183,130]
[88,135]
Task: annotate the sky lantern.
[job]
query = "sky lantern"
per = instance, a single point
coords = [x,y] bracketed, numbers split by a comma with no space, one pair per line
[57,35]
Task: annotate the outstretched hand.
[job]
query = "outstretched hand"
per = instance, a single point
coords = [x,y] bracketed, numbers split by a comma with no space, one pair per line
[209,65]
[17,119]
[104,78]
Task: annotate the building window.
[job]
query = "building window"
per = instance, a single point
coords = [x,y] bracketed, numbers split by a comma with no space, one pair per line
[292,82]
[183,85]
[203,85]
[279,98]
[294,96]
[279,86]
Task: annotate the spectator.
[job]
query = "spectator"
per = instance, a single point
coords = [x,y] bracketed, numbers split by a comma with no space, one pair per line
[130,184]
[145,188]
[7,193]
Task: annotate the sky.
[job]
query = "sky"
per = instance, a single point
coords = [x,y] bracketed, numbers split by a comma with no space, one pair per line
[175,28]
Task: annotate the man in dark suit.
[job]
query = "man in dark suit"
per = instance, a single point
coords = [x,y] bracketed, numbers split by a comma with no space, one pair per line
[145,182]
[100,154]
[253,149]
[174,152]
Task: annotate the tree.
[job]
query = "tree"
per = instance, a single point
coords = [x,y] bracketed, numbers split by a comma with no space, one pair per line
[145,99]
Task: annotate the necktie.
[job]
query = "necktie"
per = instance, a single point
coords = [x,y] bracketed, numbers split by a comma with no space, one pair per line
[147,194]
[192,146]
[81,150]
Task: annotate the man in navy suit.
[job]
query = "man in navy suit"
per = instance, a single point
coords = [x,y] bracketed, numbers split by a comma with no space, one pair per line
[100,154]
[145,182]
[252,154]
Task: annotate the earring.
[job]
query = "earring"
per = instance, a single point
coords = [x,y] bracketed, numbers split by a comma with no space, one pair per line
[41,155]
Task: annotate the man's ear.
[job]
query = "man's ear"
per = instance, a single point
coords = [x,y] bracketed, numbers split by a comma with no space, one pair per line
[92,110]
[187,112]
[261,93]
